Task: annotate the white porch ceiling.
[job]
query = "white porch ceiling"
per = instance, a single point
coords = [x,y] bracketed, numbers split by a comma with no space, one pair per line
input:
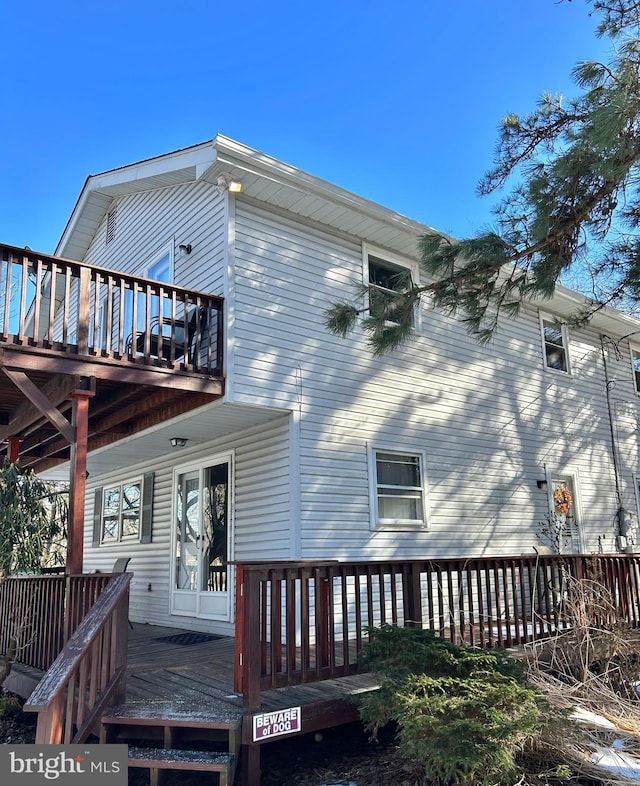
[201,426]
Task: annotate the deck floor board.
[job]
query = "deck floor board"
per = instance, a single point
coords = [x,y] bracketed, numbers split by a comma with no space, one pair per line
[203,673]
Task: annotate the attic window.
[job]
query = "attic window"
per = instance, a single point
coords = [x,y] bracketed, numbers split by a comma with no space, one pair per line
[111,225]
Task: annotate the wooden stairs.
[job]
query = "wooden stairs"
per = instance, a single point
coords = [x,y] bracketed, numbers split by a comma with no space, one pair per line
[176,735]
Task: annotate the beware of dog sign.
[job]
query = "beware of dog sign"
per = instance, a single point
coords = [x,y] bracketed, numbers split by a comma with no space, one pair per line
[274,724]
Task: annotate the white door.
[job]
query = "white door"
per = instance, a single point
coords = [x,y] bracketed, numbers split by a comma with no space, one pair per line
[565,514]
[201,574]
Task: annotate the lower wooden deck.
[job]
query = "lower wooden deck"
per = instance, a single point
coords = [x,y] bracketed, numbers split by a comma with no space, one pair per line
[201,675]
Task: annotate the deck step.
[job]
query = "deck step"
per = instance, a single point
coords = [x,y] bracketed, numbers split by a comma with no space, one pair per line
[174,713]
[156,759]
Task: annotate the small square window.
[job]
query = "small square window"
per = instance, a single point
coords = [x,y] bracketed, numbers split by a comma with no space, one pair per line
[555,343]
[398,497]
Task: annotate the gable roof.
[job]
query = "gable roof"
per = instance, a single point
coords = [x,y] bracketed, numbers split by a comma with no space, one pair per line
[264,179]
[283,187]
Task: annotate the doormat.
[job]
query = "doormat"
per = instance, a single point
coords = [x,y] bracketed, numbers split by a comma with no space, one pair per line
[186,639]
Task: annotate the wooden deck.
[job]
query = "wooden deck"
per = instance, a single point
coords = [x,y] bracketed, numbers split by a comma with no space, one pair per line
[202,675]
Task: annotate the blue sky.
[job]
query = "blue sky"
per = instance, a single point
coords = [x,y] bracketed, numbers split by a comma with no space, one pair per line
[396,101]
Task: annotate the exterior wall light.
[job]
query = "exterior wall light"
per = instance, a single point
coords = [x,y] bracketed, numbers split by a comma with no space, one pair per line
[178,442]
[225,183]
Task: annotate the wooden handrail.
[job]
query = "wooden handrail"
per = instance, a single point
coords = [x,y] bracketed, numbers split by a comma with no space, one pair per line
[52,305]
[41,612]
[88,673]
[304,622]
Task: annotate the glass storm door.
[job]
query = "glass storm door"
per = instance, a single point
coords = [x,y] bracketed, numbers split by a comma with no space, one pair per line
[201,574]
[564,507]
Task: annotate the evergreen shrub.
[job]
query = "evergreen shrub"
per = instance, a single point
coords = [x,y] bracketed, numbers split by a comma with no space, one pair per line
[461,713]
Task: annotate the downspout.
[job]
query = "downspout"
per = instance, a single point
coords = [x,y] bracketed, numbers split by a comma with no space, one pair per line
[609,386]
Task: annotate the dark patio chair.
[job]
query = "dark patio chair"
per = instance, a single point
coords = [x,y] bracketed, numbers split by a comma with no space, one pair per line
[160,343]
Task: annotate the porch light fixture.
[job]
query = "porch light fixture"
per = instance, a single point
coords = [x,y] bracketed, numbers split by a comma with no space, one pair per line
[541,484]
[226,184]
[185,248]
[178,442]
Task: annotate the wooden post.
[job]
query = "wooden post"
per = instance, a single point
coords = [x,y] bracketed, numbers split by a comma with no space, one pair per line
[251,638]
[412,594]
[238,666]
[14,449]
[250,761]
[78,474]
[84,309]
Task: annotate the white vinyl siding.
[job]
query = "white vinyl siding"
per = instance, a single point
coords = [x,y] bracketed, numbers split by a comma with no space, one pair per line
[262,515]
[486,417]
[486,420]
[148,221]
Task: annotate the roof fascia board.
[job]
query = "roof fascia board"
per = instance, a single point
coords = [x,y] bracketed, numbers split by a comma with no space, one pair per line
[198,157]
[173,162]
[233,153]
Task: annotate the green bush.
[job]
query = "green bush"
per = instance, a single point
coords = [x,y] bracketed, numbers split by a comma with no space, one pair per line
[462,713]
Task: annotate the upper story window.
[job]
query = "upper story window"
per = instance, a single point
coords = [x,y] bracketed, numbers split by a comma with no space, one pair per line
[386,278]
[160,268]
[398,496]
[635,362]
[555,343]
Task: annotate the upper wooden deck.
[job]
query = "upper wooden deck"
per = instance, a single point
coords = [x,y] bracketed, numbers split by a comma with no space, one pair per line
[147,351]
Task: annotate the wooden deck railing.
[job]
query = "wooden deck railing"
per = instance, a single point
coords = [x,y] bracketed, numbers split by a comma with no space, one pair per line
[60,307]
[303,622]
[32,610]
[89,673]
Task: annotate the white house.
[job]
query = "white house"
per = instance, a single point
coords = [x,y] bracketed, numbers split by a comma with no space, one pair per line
[317,450]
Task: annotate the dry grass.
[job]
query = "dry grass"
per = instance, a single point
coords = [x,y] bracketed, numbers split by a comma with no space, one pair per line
[595,667]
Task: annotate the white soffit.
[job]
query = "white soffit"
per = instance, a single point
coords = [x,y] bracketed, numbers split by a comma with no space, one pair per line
[264,179]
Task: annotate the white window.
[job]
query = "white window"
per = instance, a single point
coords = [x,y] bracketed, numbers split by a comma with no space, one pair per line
[121,507]
[635,362]
[159,267]
[386,278]
[555,344]
[397,489]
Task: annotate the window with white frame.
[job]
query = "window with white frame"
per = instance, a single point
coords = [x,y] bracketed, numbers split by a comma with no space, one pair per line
[121,508]
[635,363]
[398,496]
[555,343]
[385,280]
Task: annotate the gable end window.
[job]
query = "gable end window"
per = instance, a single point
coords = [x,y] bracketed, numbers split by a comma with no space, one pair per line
[386,279]
[555,344]
[398,497]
